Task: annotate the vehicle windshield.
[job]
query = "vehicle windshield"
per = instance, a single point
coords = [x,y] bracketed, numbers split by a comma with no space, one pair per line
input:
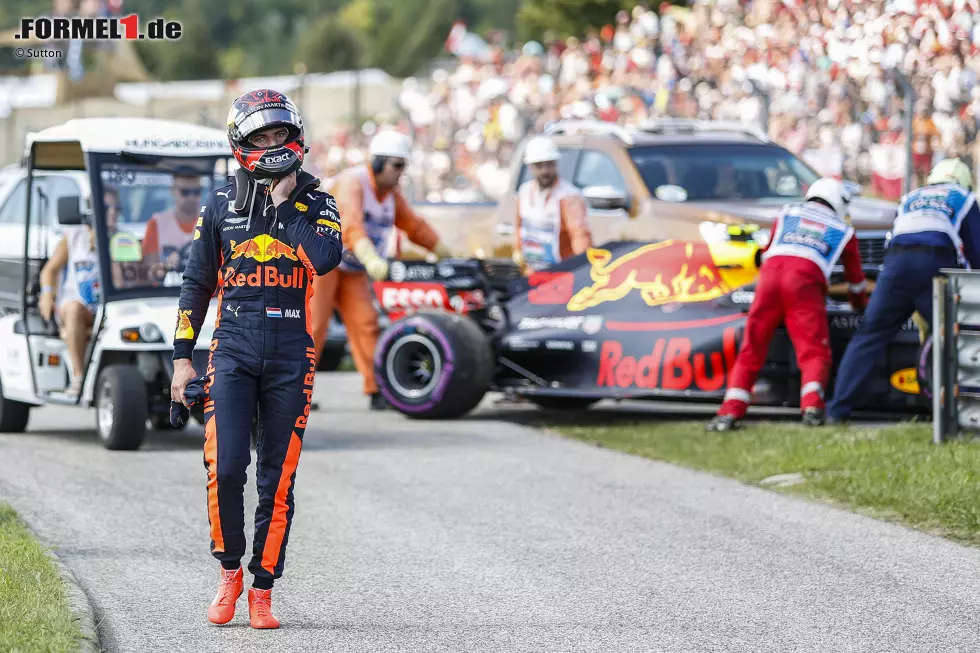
[150,213]
[692,172]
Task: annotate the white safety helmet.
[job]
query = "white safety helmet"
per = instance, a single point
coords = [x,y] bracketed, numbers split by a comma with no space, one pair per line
[951,171]
[833,192]
[391,143]
[540,149]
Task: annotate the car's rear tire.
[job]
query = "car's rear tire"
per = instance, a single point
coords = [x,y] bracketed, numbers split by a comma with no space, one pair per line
[13,415]
[121,408]
[564,403]
[434,365]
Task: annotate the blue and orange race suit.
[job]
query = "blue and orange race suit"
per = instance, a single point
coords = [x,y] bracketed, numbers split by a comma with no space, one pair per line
[262,263]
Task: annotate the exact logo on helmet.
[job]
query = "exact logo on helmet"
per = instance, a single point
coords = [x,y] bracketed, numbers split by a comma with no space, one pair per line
[275,159]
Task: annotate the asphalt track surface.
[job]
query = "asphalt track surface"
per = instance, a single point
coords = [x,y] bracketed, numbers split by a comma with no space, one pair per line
[484,535]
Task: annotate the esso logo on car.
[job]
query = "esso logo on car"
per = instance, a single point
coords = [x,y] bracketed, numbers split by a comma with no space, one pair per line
[394,297]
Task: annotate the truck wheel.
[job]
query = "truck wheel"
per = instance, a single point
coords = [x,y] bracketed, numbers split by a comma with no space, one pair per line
[434,365]
[161,422]
[564,403]
[13,415]
[121,408]
[331,357]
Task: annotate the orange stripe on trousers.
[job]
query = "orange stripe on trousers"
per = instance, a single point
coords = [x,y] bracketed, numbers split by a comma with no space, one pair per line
[211,456]
[277,527]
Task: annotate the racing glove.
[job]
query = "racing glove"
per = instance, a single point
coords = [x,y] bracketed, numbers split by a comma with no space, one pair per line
[194,393]
[858,301]
[921,325]
[376,267]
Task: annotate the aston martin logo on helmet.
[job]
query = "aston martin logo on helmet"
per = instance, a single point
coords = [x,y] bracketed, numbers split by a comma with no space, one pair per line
[262,96]
[259,100]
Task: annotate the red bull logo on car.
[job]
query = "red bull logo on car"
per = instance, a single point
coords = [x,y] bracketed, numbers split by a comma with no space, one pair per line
[669,364]
[262,248]
[667,272]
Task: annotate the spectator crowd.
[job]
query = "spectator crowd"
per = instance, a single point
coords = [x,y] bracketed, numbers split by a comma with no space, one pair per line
[823,77]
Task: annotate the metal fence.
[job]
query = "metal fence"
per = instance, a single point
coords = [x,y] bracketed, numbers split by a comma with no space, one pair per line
[955,354]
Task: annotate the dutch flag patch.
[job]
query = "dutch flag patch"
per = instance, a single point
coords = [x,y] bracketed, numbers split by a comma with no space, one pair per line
[273,312]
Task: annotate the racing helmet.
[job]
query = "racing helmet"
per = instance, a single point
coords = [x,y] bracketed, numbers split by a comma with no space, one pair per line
[258,110]
[540,149]
[832,192]
[951,171]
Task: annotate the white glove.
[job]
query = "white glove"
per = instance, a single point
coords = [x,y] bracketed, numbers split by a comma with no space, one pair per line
[442,251]
[376,267]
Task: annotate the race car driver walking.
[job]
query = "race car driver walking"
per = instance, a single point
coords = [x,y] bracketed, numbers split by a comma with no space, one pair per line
[552,217]
[260,241]
[806,243]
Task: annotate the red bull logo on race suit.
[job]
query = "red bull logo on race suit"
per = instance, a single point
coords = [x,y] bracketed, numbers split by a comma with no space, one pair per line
[262,248]
[265,276]
[663,273]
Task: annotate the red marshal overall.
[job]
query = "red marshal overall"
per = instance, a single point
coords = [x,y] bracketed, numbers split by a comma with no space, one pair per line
[807,241]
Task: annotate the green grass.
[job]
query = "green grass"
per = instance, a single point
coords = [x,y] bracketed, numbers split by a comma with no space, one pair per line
[893,472]
[34,612]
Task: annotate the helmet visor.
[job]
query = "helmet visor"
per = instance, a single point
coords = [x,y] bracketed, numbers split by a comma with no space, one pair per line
[266,118]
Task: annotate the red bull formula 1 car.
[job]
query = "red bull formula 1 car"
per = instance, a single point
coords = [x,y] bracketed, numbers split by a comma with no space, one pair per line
[625,321]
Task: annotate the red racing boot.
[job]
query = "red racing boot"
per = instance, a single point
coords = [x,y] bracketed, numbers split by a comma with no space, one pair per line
[222,609]
[260,609]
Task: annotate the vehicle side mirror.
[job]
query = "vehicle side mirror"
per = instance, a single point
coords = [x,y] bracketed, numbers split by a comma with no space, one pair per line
[607,198]
[69,210]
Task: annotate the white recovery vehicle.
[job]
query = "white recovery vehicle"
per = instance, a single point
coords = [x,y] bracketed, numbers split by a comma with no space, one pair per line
[128,164]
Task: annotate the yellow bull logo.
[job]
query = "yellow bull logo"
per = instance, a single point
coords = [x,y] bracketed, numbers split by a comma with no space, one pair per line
[184,329]
[667,272]
[262,248]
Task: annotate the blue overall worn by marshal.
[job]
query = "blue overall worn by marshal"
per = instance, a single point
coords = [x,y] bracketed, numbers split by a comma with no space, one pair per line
[938,226]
